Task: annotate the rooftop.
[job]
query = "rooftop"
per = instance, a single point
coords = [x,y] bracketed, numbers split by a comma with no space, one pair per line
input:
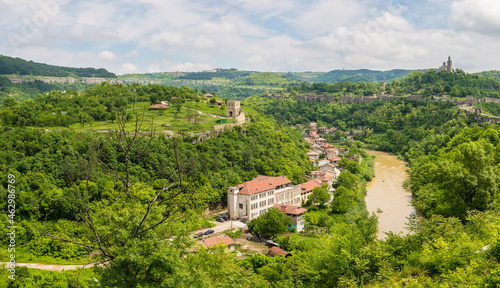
[308,186]
[210,242]
[262,183]
[289,209]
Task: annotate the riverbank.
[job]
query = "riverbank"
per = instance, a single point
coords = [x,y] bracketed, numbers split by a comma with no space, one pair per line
[385,193]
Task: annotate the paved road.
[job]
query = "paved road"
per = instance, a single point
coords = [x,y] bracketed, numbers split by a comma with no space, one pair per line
[221,227]
[49,266]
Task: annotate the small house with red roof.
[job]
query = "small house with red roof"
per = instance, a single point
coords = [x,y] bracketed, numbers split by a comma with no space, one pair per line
[307,188]
[313,136]
[251,199]
[224,240]
[296,214]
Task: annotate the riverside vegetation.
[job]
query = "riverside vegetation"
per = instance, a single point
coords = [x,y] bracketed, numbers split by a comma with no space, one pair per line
[454,166]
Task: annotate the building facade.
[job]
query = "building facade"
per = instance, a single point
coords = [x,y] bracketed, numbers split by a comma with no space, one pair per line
[253,198]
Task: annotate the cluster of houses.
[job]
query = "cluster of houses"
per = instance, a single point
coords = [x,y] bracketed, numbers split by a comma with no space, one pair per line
[253,198]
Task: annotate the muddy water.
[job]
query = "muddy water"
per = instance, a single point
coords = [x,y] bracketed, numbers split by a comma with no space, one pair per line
[386,192]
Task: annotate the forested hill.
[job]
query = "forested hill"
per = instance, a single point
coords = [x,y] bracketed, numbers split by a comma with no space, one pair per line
[9,65]
[429,83]
[362,75]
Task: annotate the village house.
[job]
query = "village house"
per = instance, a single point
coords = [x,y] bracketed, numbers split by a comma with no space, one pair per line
[313,136]
[327,177]
[251,199]
[327,167]
[296,214]
[335,160]
[313,125]
[224,240]
[313,155]
[320,141]
[307,187]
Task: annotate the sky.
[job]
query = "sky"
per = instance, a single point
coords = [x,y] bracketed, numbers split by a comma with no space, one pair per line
[146,36]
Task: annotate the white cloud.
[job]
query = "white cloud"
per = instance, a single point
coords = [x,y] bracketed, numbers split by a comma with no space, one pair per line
[107,55]
[128,68]
[133,53]
[154,68]
[325,15]
[190,67]
[481,16]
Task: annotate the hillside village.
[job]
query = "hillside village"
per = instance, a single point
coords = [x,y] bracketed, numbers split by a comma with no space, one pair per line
[251,199]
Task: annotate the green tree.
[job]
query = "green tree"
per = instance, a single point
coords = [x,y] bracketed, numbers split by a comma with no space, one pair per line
[272,223]
[320,195]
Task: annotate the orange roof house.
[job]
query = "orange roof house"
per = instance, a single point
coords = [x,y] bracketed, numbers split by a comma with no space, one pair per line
[225,240]
[307,187]
[295,214]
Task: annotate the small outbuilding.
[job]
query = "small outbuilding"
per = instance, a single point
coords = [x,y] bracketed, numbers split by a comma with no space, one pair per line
[225,240]
[275,251]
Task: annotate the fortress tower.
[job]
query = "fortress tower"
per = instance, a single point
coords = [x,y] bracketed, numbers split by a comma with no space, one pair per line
[234,111]
[233,108]
[449,65]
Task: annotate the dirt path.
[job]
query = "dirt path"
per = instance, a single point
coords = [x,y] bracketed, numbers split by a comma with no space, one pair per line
[50,267]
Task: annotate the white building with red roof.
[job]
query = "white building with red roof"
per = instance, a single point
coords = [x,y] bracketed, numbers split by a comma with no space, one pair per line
[253,198]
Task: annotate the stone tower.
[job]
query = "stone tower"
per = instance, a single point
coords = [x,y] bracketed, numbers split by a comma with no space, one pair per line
[449,65]
[233,109]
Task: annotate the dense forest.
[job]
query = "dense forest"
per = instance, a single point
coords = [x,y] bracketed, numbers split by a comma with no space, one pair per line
[363,75]
[9,65]
[429,83]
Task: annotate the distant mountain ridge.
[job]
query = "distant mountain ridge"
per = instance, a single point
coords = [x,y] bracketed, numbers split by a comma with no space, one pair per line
[10,65]
[365,75]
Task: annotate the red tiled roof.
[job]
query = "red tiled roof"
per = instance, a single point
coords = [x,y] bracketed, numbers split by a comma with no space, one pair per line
[208,95]
[261,184]
[308,186]
[289,209]
[274,251]
[327,145]
[210,242]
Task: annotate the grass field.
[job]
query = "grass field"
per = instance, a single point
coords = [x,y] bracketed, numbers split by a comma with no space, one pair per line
[166,119]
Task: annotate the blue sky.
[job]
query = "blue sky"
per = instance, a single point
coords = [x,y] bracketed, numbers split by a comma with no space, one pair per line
[143,36]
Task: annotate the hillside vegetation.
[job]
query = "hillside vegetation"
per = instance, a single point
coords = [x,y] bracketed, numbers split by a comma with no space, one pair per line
[9,65]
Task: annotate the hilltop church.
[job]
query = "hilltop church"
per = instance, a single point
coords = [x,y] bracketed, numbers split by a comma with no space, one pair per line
[447,66]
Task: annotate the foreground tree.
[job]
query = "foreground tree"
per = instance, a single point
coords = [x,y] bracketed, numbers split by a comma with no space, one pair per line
[320,195]
[130,230]
[272,223]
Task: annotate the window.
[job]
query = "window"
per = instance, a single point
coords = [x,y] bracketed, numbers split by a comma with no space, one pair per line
[254,197]
[270,201]
[241,205]
[263,203]
[255,206]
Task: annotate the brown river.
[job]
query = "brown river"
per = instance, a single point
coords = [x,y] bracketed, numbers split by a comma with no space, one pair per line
[386,193]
